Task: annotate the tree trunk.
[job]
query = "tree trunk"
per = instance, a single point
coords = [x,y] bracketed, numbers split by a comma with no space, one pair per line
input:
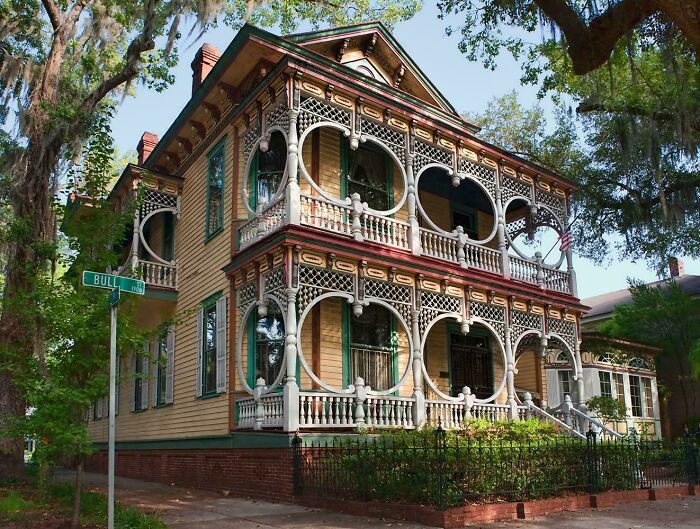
[75,518]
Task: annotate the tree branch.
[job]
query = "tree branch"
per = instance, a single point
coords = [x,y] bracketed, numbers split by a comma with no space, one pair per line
[142,43]
[53,12]
[589,46]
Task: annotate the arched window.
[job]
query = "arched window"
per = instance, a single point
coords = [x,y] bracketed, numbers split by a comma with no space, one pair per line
[638,363]
[266,345]
[372,347]
[608,358]
[267,170]
[561,358]
[367,171]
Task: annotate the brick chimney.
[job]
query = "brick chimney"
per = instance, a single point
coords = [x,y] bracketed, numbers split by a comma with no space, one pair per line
[146,145]
[202,64]
[676,267]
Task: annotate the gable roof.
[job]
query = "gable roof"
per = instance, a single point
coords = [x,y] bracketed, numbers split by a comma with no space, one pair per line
[603,305]
[319,41]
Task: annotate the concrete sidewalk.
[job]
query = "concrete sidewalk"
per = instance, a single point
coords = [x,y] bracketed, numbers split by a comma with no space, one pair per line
[195,509]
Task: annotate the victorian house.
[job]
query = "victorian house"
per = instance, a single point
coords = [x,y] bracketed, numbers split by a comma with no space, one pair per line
[328,245]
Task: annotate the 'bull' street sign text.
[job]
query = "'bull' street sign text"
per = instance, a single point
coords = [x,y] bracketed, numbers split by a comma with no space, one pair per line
[125,284]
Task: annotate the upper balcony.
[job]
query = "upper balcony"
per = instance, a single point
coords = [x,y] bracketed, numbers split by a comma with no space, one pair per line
[371,177]
[149,252]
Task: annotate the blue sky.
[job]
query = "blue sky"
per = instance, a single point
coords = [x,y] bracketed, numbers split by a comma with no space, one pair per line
[468,86]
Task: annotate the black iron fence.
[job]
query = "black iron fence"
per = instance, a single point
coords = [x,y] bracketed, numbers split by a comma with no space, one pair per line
[445,472]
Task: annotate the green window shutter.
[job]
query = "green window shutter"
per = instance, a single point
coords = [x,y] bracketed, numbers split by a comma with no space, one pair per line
[133,385]
[170,365]
[144,377]
[343,167]
[200,338]
[221,349]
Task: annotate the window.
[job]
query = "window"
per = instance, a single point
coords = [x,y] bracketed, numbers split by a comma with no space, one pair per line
[561,358]
[605,384]
[636,395]
[372,347]
[638,363]
[215,190]
[267,171]
[648,398]
[209,350]
[619,387]
[608,358]
[161,367]
[467,219]
[368,173]
[268,342]
[564,384]
[471,364]
[211,346]
[141,361]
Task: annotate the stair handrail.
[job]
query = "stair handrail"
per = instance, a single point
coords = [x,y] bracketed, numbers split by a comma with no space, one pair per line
[539,411]
[597,423]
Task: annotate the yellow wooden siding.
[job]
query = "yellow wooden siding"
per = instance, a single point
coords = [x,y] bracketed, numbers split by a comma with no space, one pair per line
[332,342]
[200,275]
[329,166]
[438,210]
[436,356]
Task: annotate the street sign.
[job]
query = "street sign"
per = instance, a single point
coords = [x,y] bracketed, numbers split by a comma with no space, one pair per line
[114,297]
[126,284]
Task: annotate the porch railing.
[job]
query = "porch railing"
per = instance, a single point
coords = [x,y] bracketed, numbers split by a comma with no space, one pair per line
[268,219]
[482,258]
[257,412]
[439,246]
[385,230]
[322,214]
[159,275]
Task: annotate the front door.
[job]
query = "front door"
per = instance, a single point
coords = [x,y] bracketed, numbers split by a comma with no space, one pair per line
[471,364]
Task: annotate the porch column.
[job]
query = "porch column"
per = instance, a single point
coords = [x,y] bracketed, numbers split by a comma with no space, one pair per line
[413,228]
[572,273]
[135,238]
[581,389]
[291,388]
[293,191]
[501,230]
[510,374]
[418,396]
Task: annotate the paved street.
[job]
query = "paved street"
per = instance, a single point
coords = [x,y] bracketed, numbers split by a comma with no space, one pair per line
[187,509]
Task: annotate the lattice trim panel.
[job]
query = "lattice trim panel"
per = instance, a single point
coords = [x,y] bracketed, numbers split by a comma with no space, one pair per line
[316,281]
[314,111]
[554,202]
[398,296]
[516,227]
[433,304]
[486,176]
[278,115]
[494,315]
[426,153]
[154,200]
[392,139]
[275,285]
[246,296]
[513,188]
[250,138]
[522,322]
[565,329]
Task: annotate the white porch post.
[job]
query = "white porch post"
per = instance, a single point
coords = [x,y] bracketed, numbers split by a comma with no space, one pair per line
[135,238]
[572,273]
[293,190]
[291,388]
[418,396]
[413,227]
[510,373]
[580,386]
[501,230]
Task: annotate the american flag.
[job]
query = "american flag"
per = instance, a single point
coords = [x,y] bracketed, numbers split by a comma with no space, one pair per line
[565,240]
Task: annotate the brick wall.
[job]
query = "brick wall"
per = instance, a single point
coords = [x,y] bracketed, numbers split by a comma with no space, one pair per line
[254,472]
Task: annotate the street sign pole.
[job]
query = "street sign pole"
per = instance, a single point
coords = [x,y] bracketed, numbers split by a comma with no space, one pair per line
[117,284]
[112,404]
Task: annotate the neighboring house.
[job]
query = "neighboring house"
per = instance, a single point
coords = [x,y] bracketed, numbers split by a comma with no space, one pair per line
[336,248]
[639,365]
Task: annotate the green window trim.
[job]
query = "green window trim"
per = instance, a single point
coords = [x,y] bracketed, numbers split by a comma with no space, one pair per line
[252,349]
[161,366]
[346,318]
[207,304]
[218,149]
[344,168]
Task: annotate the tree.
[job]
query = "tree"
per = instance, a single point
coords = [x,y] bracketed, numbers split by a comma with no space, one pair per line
[666,317]
[59,62]
[631,70]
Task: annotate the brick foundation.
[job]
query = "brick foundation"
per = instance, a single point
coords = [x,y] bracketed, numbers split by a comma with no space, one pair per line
[251,472]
